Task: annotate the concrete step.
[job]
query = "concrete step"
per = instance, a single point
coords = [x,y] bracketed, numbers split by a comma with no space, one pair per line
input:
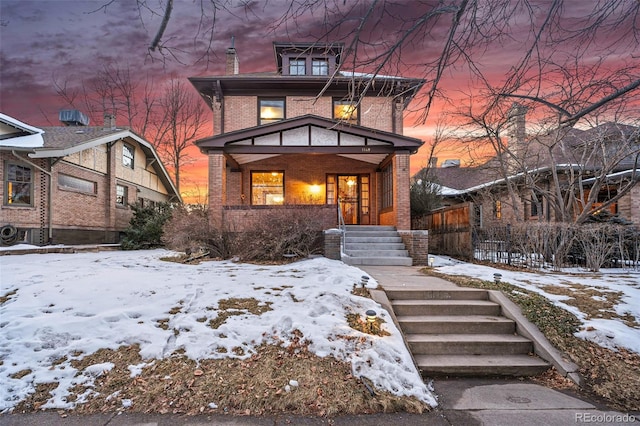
[380,261]
[445,307]
[475,365]
[369,228]
[468,344]
[348,239]
[370,234]
[377,253]
[456,324]
[374,246]
[420,294]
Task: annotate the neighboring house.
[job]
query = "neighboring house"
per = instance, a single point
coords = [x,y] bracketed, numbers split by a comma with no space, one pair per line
[310,134]
[603,159]
[73,184]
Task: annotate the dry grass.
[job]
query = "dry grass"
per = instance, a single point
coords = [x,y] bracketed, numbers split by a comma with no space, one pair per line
[275,380]
[4,298]
[612,375]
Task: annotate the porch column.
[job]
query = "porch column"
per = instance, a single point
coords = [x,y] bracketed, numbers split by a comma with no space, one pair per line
[401,184]
[217,187]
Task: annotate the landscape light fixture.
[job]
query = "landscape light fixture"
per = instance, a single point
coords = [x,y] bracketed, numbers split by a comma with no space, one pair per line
[371,316]
[497,278]
[432,261]
[364,280]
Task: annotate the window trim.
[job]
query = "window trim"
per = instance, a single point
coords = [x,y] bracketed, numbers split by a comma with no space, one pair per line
[300,65]
[321,64]
[6,201]
[251,186]
[271,99]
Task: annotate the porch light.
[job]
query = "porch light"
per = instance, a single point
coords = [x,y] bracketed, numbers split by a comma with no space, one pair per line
[314,189]
[497,278]
[350,182]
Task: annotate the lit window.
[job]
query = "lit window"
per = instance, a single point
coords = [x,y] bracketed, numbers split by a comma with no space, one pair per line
[387,187]
[18,185]
[497,209]
[121,195]
[345,111]
[271,110]
[128,153]
[76,184]
[297,67]
[320,67]
[267,188]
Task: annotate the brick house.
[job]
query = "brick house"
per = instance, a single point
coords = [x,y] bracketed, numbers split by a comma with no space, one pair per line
[73,184]
[309,134]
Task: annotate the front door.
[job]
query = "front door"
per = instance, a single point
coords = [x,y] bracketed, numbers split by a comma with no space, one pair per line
[348,197]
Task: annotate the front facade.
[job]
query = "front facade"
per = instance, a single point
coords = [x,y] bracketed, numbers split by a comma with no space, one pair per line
[308,134]
[73,184]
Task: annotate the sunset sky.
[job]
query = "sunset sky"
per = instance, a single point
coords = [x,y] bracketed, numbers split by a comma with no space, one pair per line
[49,41]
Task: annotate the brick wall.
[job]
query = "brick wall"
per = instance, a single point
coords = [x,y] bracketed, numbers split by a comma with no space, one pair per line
[417,244]
[332,243]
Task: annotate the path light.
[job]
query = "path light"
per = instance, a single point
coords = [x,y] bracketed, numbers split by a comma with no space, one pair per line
[364,280]
[432,261]
[371,319]
[497,278]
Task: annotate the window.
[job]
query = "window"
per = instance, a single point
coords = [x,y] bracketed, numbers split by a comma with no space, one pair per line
[497,209]
[387,187]
[320,67]
[128,153]
[267,188]
[271,110]
[121,195]
[18,185]
[297,67]
[536,205]
[331,189]
[345,111]
[76,184]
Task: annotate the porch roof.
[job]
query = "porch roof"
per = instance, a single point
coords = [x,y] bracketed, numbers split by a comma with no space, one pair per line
[309,134]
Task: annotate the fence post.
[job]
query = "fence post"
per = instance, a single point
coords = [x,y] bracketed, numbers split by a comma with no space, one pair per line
[509,244]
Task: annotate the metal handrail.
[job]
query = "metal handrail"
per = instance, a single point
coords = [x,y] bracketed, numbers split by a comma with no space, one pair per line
[341,225]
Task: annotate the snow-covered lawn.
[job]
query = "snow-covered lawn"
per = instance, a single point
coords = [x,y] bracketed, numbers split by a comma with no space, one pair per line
[66,306]
[609,333]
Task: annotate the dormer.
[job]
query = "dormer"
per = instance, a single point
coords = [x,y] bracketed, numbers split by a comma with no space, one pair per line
[307,59]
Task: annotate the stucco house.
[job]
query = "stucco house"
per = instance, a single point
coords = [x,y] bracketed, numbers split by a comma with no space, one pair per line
[309,133]
[73,184]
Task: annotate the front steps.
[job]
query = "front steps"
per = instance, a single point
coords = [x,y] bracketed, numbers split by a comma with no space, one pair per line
[374,245]
[460,332]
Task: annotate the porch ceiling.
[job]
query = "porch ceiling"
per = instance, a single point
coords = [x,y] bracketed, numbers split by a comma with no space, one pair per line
[249,158]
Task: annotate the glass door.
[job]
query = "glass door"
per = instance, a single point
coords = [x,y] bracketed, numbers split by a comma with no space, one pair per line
[348,197]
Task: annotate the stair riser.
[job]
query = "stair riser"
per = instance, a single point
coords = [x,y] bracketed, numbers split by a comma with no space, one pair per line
[374,246]
[472,370]
[435,327]
[372,240]
[446,310]
[470,348]
[379,261]
[437,294]
[369,228]
[377,253]
[371,234]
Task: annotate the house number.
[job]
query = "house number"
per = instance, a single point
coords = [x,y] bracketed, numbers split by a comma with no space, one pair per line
[366,149]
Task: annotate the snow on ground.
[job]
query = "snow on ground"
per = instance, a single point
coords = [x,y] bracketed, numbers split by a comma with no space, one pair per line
[64,304]
[610,333]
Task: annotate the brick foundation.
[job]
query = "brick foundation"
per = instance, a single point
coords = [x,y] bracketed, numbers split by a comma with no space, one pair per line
[417,243]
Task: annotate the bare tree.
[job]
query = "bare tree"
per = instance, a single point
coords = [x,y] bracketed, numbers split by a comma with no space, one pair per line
[182,119]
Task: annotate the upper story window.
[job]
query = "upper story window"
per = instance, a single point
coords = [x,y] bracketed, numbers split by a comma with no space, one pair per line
[345,111]
[121,195]
[297,67]
[271,110]
[128,153]
[320,67]
[18,185]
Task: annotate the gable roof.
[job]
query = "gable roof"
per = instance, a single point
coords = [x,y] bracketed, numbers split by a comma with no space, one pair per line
[18,135]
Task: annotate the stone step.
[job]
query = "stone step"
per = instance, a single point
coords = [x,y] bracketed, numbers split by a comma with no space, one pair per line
[374,246]
[476,365]
[377,253]
[468,344]
[456,324]
[348,239]
[445,307]
[380,261]
[421,294]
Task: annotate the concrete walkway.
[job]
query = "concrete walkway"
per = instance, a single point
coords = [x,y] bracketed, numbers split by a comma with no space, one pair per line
[511,401]
[462,401]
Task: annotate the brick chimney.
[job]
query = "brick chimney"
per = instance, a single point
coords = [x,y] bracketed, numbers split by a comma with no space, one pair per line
[109,121]
[517,124]
[233,64]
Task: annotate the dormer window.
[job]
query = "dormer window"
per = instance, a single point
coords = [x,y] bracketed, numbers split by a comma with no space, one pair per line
[297,67]
[320,67]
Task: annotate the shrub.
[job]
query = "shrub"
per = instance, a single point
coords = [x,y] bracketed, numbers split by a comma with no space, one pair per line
[145,227]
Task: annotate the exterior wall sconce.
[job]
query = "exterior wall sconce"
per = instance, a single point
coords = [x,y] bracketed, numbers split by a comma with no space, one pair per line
[314,189]
[497,278]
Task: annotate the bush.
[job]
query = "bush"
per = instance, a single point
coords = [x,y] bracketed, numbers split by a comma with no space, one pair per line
[145,227]
[189,230]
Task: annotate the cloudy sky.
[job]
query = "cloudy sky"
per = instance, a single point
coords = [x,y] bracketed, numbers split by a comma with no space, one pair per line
[48,42]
